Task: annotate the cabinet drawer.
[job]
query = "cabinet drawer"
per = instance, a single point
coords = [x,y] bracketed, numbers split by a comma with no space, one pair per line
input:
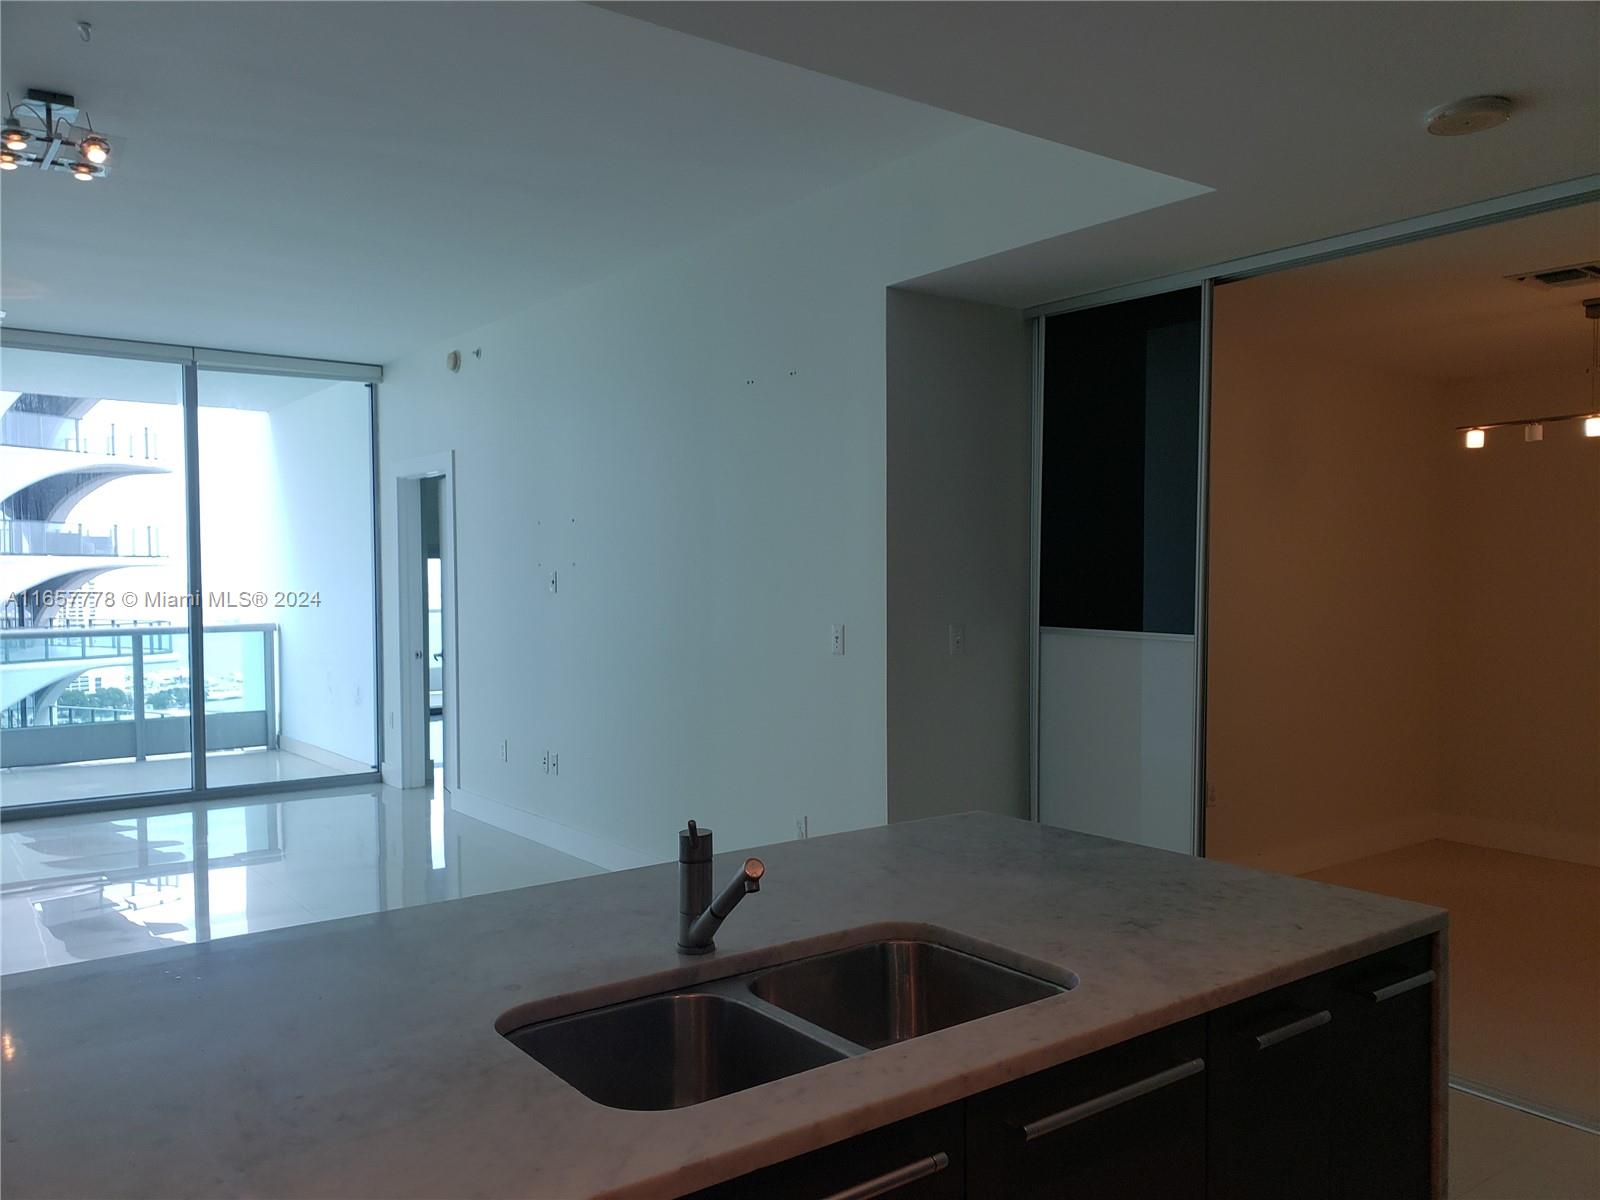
[1128,1122]
[917,1159]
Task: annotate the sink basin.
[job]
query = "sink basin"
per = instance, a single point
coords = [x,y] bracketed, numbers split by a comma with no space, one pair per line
[673,1050]
[889,991]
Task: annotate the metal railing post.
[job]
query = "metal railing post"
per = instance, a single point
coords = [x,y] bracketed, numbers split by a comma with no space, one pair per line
[137,640]
[268,689]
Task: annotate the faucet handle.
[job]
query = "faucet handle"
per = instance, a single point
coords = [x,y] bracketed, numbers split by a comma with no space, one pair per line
[694,844]
[754,869]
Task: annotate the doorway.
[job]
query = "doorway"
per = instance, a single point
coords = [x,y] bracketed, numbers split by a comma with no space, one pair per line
[1404,670]
[428,725]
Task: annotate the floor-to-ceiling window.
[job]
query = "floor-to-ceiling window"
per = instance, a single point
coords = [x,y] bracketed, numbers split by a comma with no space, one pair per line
[145,501]
[94,649]
[286,554]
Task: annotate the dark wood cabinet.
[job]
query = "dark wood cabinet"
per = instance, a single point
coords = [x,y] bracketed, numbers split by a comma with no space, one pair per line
[1319,1090]
[1129,1121]
[1383,1107]
[918,1159]
[1269,1063]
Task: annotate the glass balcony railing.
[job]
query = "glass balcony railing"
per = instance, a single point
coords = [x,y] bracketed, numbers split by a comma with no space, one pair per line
[66,645]
[55,537]
[45,431]
[88,694]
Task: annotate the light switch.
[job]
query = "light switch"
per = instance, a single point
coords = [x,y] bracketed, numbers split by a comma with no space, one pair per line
[958,639]
[838,639]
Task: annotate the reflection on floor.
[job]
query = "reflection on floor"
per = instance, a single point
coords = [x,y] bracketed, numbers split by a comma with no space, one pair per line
[21,786]
[1498,1153]
[1524,966]
[90,886]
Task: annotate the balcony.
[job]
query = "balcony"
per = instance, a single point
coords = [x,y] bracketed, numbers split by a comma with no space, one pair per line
[60,538]
[71,434]
[49,717]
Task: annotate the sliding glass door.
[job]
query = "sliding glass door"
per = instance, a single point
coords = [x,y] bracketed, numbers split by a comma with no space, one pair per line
[286,552]
[94,637]
[186,554]
[1122,431]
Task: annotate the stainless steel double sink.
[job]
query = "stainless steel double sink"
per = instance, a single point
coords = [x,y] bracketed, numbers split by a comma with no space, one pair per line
[685,1047]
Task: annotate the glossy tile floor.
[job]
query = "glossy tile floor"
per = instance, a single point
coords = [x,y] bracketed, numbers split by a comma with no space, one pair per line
[1498,1153]
[1524,966]
[21,786]
[90,886]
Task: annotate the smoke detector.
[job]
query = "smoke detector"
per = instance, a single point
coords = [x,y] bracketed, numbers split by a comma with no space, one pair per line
[1576,275]
[1472,115]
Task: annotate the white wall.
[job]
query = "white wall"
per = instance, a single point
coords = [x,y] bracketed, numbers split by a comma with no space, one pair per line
[698,448]
[320,534]
[1324,622]
[959,467]
[1405,635]
[1521,647]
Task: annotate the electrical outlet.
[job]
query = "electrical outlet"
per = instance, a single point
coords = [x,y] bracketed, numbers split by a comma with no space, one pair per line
[838,640]
[547,762]
[802,828]
[958,639]
[505,750]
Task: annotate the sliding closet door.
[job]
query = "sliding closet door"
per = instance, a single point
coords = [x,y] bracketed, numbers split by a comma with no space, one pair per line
[1119,551]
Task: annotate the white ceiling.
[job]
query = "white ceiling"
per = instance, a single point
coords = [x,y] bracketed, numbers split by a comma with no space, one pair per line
[1440,309]
[1305,118]
[343,179]
[347,179]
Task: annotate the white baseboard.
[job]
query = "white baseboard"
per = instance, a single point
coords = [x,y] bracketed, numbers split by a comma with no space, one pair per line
[601,852]
[1314,854]
[1514,837]
[1520,837]
[336,762]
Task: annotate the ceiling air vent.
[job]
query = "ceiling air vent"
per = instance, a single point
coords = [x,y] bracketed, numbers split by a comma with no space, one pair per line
[1554,277]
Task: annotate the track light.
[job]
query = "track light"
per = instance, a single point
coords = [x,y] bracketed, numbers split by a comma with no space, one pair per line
[95,148]
[1533,427]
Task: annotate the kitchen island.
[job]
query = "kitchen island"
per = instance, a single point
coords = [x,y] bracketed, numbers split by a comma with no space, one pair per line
[366,1057]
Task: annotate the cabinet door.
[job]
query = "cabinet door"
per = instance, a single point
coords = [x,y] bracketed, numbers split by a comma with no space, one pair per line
[1272,1063]
[917,1159]
[1383,1041]
[1127,1122]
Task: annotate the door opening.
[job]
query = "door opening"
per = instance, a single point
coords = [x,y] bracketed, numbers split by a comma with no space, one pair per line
[427,724]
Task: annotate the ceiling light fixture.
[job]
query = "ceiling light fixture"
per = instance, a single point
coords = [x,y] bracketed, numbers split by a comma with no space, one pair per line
[10,160]
[95,148]
[1533,427]
[49,131]
[1472,115]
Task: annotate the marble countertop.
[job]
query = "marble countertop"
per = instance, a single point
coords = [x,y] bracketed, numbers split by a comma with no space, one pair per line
[359,1058]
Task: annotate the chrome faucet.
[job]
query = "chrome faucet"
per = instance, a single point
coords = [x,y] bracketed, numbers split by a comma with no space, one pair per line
[699,916]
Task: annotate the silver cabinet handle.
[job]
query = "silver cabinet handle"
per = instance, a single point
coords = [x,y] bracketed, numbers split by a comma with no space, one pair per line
[1390,991]
[1293,1029]
[882,1185]
[1090,1108]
